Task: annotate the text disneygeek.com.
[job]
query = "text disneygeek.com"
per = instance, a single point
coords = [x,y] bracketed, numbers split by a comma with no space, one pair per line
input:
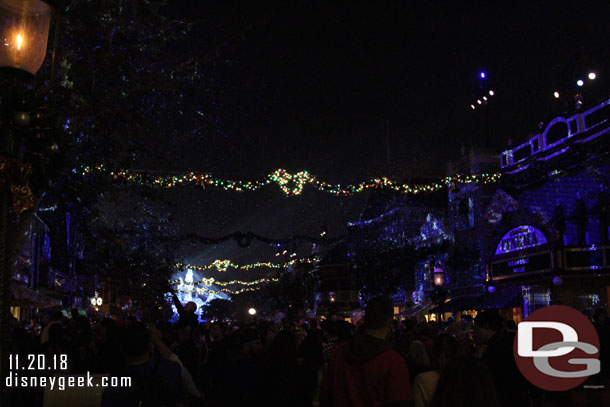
[63,382]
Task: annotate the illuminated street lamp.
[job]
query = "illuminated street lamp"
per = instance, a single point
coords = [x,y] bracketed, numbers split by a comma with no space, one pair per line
[439,275]
[252,311]
[24,33]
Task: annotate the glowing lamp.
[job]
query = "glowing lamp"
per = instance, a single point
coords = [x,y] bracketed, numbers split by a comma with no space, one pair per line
[99,302]
[439,276]
[24,31]
[491,93]
[332,297]
[252,311]
[479,101]
[557,280]
[93,301]
[472,107]
[491,289]
[556,94]
[580,82]
[482,75]
[484,97]
[592,75]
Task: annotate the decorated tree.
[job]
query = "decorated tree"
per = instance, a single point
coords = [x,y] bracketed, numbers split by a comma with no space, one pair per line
[129,81]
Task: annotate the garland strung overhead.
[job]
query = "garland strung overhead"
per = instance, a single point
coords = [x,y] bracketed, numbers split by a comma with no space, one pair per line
[208,282]
[243,239]
[203,290]
[290,184]
[224,265]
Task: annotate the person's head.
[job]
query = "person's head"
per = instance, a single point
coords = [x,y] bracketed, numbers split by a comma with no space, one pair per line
[283,349]
[190,307]
[137,340]
[216,331]
[57,316]
[74,313]
[417,355]
[56,333]
[378,315]
[465,382]
[600,316]
[486,325]
[511,325]
[466,318]
[446,347]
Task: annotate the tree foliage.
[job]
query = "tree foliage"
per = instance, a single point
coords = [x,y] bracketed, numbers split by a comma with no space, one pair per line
[129,82]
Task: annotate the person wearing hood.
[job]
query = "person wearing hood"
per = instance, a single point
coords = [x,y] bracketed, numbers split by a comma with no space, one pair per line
[365,371]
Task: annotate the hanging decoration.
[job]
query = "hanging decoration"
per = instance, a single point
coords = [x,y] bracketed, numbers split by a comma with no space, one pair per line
[242,239]
[17,175]
[224,265]
[290,184]
[203,290]
[208,282]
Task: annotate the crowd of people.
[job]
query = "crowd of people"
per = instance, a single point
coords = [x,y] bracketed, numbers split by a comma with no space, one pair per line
[378,361]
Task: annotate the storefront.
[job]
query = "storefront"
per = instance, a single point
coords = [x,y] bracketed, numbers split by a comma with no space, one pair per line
[547,273]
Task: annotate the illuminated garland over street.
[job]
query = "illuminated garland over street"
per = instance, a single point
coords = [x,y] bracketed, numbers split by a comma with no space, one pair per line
[210,281]
[290,184]
[202,290]
[224,265]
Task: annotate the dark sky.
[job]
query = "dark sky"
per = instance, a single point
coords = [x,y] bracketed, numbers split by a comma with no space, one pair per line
[316,83]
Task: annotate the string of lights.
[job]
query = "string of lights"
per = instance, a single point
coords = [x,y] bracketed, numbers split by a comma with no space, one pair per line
[203,290]
[224,265]
[208,282]
[290,184]
[242,239]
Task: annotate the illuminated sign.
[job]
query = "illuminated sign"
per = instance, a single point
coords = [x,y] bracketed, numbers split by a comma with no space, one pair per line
[519,238]
[537,263]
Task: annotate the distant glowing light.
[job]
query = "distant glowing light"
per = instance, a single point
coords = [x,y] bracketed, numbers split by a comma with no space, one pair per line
[20,41]
[484,97]
[580,82]
[482,75]
[479,101]
[491,93]
[473,107]
[592,75]
[252,311]
[556,94]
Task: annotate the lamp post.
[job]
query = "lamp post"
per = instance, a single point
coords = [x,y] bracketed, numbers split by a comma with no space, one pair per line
[439,275]
[24,33]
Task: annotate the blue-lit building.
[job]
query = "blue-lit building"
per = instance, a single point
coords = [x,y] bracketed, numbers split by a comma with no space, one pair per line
[539,236]
[552,236]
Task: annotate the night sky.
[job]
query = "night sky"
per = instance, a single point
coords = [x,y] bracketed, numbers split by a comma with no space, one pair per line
[314,85]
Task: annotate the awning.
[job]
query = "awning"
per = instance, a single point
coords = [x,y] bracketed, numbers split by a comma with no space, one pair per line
[418,308]
[462,303]
[23,296]
[502,298]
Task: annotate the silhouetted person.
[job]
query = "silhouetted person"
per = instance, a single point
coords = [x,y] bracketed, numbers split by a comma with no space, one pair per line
[466,382]
[156,381]
[186,312]
[446,348]
[365,371]
[511,388]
